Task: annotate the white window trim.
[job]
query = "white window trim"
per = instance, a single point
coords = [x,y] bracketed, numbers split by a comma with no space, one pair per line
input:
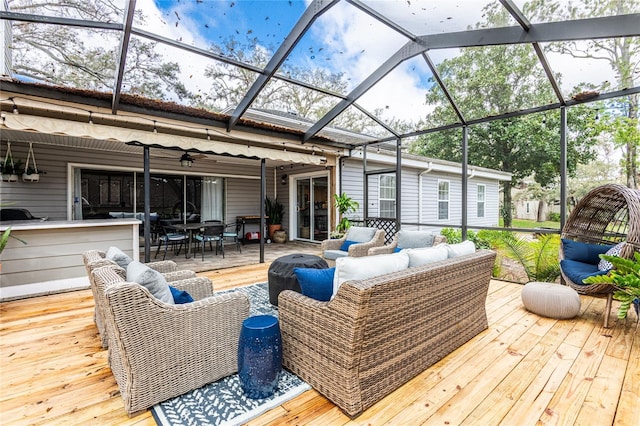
[380,199]
[484,200]
[448,200]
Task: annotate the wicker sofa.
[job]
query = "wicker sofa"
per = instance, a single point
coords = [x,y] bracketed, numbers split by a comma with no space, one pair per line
[377,334]
[158,351]
[96,258]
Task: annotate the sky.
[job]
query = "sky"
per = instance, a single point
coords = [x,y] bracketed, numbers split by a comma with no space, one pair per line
[343,39]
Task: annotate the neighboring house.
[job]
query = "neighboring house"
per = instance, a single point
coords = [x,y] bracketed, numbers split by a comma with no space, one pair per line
[431,190]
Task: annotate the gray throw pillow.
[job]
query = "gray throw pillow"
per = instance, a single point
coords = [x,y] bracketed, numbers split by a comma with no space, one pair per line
[361,234]
[154,281]
[118,256]
[414,239]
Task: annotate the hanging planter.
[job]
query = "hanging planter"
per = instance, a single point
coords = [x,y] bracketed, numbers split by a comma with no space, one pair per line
[31,174]
[9,168]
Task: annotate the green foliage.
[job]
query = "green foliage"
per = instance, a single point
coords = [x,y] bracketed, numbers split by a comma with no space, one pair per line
[4,239]
[625,276]
[9,168]
[538,256]
[274,209]
[454,236]
[554,217]
[345,204]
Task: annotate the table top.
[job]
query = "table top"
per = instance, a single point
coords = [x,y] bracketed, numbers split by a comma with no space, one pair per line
[192,225]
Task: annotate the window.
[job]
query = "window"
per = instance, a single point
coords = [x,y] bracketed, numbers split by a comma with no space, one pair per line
[443,199]
[480,200]
[387,195]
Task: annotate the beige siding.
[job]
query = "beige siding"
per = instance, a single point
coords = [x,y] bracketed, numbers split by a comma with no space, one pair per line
[55,253]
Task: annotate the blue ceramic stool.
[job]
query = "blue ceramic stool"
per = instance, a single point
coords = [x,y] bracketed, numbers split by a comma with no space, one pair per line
[259,356]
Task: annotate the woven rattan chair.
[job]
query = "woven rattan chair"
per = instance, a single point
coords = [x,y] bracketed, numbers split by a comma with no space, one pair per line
[96,258]
[158,351]
[608,214]
[355,250]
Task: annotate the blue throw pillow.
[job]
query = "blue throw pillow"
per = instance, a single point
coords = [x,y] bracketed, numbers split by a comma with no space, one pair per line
[180,296]
[316,283]
[578,271]
[397,249]
[583,252]
[348,243]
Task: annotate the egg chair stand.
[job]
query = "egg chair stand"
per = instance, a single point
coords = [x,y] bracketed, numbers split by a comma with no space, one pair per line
[608,214]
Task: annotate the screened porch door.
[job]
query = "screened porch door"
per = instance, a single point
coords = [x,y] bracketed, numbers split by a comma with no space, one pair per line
[311,201]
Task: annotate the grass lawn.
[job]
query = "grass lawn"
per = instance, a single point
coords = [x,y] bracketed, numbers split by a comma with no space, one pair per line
[530,224]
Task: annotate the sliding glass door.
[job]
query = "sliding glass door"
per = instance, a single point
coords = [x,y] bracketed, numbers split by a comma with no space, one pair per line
[312,208]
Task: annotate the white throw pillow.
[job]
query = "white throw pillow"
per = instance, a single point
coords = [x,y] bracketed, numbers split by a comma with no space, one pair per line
[118,256]
[154,281]
[460,249]
[605,265]
[422,256]
[360,268]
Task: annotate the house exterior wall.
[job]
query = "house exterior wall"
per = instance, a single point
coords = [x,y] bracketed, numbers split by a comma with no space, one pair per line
[352,178]
[50,196]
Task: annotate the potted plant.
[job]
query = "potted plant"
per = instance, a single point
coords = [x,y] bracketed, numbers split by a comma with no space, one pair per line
[31,174]
[345,204]
[625,277]
[275,211]
[10,169]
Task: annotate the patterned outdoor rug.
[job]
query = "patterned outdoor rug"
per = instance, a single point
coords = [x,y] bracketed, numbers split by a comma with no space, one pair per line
[223,402]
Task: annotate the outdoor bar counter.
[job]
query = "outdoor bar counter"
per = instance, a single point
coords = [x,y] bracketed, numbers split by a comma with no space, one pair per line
[51,260]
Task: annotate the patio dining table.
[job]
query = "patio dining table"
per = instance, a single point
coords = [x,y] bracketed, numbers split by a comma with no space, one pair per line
[190,227]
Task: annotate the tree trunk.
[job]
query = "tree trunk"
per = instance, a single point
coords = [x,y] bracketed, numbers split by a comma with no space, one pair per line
[542,208]
[506,204]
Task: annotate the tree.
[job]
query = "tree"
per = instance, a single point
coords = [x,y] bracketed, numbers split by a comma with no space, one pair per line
[623,55]
[491,80]
[230,83]
[68,56]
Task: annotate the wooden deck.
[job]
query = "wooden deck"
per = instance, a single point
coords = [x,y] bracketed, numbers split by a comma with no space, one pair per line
[523,370]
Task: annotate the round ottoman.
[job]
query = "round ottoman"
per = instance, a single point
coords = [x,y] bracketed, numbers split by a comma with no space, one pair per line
[259,356]
[551,300]
[281,276]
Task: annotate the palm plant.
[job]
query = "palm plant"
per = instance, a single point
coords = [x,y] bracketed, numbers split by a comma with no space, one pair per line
[625,276]
[538,256]
[345,204]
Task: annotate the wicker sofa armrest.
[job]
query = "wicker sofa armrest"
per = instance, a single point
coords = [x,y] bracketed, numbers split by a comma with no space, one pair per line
[160,351]
[333,244]
[362,249]
[197,287]
[179,275]
[163,266]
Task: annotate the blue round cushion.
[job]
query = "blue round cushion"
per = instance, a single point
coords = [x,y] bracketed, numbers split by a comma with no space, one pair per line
[551,300]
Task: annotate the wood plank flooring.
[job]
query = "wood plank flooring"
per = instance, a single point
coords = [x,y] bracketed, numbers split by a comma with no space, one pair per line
[523,370]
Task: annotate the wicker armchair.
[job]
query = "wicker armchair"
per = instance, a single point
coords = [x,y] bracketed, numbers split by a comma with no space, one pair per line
[95,258]
[159,351]
[331,248]
[389,248]
[377,334]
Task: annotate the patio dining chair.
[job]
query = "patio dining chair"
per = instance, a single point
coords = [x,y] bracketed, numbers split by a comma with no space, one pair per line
[173,238]
[233,234]
[209,234]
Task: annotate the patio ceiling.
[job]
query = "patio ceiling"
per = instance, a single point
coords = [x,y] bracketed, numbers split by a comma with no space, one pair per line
[387,55]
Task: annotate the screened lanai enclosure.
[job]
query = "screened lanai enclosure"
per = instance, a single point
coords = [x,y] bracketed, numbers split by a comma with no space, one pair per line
[510,110]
